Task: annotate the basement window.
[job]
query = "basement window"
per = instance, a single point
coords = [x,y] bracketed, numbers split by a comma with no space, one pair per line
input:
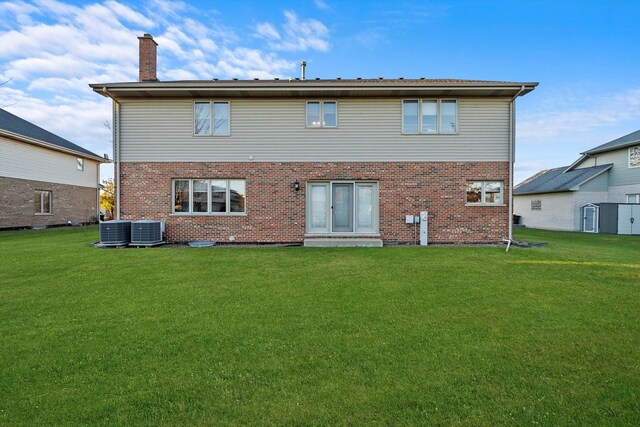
[429,116]
[211,118]
[209,196]
[484,193]
[42,199]
[322,114]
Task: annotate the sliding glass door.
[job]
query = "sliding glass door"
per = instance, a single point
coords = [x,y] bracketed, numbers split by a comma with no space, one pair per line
[342,207]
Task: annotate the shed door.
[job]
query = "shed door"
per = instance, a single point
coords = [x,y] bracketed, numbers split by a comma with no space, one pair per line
[625,219]
[589,219]
[635,219]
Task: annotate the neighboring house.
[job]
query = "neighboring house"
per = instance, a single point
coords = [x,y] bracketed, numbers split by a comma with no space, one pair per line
[566,198]
[303,160]
[44,179]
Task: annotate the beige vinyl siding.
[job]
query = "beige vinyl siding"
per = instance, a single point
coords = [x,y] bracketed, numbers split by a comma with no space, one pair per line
[620,173]
[27,161]
[274,130]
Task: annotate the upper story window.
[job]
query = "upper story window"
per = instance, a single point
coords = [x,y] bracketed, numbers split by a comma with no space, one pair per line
[322,114]
[209,196]
[211,118]
[430,116]
[80,164]
[484,193]
[634,157]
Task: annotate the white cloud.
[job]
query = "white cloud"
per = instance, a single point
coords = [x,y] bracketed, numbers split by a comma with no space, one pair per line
[296,34]
[267,31]
[555,120]
[321,4]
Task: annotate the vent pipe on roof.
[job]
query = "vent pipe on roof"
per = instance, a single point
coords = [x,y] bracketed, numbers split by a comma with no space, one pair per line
[303,65]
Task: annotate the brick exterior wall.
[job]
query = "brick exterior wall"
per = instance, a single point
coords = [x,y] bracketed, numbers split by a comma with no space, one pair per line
[276,212]
[69,203]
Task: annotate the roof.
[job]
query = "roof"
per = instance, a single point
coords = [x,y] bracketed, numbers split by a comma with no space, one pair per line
[14,126]
[624,141]
[314,87]
[558,180]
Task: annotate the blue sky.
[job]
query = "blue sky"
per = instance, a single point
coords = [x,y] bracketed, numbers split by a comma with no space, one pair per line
[585,55]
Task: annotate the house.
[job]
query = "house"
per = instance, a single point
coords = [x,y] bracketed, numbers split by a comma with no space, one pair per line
[312,160]
[45,180]
[568,198]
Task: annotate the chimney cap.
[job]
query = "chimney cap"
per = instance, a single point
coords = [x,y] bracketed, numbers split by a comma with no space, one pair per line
[147,36]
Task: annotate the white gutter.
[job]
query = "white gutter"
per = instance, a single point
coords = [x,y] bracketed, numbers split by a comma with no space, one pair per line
[116,147]
[512,154]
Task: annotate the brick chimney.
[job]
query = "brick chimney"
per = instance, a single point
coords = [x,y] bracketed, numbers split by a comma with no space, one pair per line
[148,58]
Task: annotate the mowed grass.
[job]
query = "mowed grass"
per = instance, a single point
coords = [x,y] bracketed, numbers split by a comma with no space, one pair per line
[305,336]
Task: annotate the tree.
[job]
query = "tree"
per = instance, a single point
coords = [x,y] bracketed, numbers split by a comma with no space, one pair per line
[108,197]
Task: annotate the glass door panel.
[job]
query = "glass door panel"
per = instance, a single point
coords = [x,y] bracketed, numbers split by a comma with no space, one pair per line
[342,212]
[318,208]
[365,208]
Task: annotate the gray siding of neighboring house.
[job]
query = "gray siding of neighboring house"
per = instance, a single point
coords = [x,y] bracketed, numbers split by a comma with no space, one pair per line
[274,130]
[599,183]
[28,161]
[620,173]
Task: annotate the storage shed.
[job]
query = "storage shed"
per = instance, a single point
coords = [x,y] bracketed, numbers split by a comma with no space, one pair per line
[618,218]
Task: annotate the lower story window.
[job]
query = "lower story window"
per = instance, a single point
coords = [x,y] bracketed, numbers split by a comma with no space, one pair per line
[42,199]
[342,207]
[209,196]
[633,198]
[484,193]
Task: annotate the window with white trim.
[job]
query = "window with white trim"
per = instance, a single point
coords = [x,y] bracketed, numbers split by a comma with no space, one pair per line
[634,157]
[209,196]
[211,118]
[429,116]
[484,193]
[633,198]
[80,164]
[43,199]
[322,114]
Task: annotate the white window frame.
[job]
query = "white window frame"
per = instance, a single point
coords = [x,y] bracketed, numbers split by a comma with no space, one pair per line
[482,194]
[438,116]
[637,147]
[374,231]
[321,102]
[80,164]
[41,194]
[208,213]
[212,114]
[636,198]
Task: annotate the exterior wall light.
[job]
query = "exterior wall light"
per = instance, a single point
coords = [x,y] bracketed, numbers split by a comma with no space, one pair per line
[296,186]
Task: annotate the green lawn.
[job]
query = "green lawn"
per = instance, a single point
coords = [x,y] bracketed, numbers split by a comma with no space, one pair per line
[403,335]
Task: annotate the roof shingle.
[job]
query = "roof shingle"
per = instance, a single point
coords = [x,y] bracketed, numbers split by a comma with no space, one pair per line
[556,180]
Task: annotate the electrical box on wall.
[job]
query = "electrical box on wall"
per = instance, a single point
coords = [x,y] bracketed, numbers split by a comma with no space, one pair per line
[424,228]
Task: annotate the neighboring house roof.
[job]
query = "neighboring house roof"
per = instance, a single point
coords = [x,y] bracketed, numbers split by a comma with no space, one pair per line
[559,180]
[14,126]
[314,87]
[624,141]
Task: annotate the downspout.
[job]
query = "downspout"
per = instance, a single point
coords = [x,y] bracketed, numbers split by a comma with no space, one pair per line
[116,147]
[98,192]
[512,154]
